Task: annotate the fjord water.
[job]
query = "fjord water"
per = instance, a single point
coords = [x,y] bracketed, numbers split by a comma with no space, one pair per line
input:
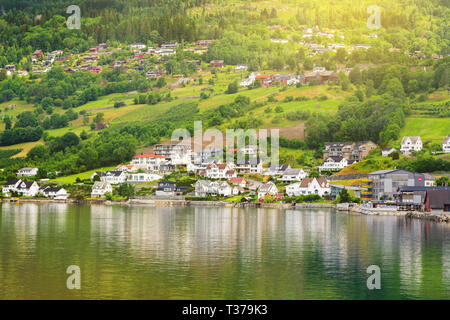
[142,252]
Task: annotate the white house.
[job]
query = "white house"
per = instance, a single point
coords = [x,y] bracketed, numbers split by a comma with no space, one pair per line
[11,185]
[142,177]
[115,177]
[335,163]
[28,188]
[387,152]
[241,67]
[137,46]
[267,188]
[219,171]
[148,162]
[27,172]
[249,166]
[100,188]
[54,193]
[250,80]
[411,143]
[204,188]
[277,170]
[446,144]
[318,186]
[292,175]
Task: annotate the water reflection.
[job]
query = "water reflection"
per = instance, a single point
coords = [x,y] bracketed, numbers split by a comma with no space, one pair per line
[202,253]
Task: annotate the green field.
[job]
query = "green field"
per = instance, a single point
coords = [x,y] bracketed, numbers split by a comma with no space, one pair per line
[429,129]
[82,176]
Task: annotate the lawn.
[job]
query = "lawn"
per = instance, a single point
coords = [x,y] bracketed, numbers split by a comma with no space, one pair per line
[429,129]
[82,176]
[24,146]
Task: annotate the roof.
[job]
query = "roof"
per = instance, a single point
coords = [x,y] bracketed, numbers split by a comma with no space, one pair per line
[412,138]
[307,181]
[292,172]
[335,158]
[236,180]
[447,139]
[12,182]
[26,184]
[114,173]
[100,185]
[438,198]
[420,188]
[266,187]
[148,156]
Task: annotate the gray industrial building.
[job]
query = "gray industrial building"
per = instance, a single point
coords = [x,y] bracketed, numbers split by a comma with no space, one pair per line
[385,183]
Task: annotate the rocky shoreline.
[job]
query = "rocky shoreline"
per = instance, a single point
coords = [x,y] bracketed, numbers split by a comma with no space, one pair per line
[440,217]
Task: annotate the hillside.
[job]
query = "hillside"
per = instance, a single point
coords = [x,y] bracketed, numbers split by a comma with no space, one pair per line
[384,83]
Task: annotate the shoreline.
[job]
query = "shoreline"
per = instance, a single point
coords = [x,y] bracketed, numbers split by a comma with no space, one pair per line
[440,217]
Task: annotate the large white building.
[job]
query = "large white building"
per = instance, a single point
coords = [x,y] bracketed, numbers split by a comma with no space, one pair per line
[335,164]
[318,186]
[268,188]
[100,188]
[175,153]
[292,175]
[411,143]
[115,177]
[148,162]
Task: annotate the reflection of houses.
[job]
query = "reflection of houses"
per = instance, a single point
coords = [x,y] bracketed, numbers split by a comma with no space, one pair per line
[349,150]
[412,143]
[100,188]
[319,186]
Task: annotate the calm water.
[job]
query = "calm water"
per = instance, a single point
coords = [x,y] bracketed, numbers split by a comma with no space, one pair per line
[217,253]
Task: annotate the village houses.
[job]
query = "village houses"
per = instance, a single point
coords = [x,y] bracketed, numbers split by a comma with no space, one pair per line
[411,143]
[220,171]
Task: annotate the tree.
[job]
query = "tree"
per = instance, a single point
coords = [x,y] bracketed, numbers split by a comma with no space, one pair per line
[126,190]
[232,88]
[344,196]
